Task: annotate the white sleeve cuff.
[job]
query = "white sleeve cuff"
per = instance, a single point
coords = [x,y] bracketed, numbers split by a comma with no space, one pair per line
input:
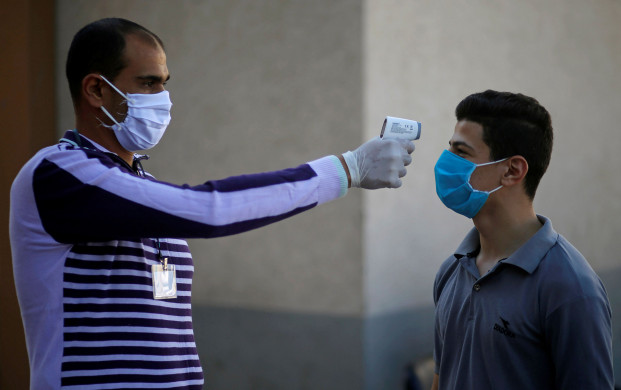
[332,178]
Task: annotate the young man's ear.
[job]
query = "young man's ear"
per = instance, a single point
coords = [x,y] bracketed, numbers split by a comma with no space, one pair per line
[91,90]
[517,169]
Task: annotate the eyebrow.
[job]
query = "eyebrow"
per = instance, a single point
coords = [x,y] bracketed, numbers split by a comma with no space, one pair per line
[157,79]
[457,144]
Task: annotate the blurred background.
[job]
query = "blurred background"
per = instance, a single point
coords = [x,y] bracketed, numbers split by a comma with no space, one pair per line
[341,296]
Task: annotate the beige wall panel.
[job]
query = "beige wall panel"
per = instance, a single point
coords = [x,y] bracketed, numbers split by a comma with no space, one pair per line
[256,85]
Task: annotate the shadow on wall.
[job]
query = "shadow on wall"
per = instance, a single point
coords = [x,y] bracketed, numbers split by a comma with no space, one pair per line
[249,349]
[419,374]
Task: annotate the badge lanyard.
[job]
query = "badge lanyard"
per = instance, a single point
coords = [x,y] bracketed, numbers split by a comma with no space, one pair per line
[164,277]
[163,274]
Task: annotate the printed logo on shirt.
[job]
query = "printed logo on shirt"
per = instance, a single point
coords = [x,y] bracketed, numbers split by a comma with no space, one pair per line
[504,328]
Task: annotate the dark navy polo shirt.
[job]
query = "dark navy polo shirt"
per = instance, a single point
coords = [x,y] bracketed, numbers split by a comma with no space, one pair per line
[539,319]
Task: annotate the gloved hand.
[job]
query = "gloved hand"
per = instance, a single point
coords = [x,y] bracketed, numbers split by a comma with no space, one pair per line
[379,163]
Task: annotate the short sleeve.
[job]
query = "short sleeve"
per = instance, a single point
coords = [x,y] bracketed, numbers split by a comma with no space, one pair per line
[579,338]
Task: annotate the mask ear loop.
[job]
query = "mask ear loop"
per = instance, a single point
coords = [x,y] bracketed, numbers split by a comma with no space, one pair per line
[495,189]
[120,93]
[109,116]
[492,162]
[116,89]
[489,163]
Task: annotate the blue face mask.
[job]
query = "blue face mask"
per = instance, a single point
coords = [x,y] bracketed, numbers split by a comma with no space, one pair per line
[453,184]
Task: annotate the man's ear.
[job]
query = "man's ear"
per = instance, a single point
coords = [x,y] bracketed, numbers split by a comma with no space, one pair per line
[91,90]
[517,169]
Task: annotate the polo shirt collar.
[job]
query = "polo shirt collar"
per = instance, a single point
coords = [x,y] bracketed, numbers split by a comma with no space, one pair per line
[469,245]
[527,257]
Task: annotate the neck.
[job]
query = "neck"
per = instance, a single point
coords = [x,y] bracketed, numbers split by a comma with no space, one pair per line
[92,128]
[503,230]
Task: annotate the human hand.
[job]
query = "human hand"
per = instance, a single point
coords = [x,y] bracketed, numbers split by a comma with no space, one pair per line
[379,163]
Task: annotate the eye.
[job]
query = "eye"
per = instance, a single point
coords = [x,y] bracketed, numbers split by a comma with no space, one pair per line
[461,152]
[458,150]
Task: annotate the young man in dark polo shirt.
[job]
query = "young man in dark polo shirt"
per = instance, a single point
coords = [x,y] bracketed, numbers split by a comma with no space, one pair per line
[517,306]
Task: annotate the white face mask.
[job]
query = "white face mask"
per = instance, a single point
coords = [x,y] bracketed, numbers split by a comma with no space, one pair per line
[146,120]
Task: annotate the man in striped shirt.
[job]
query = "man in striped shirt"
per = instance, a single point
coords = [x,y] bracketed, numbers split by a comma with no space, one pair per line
[102,272]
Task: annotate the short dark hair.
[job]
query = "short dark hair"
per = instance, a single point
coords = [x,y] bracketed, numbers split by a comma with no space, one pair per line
[98,47]
[513,124]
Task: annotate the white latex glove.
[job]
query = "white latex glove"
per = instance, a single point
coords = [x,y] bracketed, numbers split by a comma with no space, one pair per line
[379,163]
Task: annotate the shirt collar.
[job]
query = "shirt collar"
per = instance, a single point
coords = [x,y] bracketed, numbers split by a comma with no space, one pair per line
[528,256]
[75,137]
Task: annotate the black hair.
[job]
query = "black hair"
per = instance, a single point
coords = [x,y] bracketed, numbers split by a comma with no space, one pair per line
[513,124]
[98,47]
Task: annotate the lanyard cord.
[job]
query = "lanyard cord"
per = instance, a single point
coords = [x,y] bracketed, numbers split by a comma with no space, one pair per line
[138,165]
[141,173]
[78,137]
[163,261]
[139,170]
[77,143]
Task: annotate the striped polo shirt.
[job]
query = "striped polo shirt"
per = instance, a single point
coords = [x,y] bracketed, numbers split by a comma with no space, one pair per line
[86,228]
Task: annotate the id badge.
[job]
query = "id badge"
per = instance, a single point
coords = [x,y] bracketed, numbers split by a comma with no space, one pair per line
[164,281]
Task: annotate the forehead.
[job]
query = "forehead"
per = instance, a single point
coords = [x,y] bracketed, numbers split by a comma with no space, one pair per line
[144,55]
[469,133]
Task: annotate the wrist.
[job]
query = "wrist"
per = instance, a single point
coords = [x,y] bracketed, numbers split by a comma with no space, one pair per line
[346,168]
